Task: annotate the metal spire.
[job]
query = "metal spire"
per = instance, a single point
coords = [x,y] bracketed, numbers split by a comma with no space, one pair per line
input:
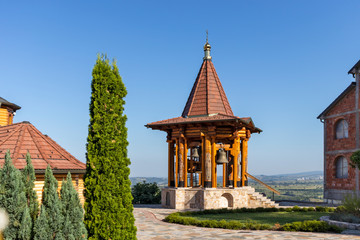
[207,48]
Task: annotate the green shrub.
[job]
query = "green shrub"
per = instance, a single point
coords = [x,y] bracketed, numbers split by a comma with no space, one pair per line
[340,209]
[320,209]
[146,193]
[355,159]
[351,204]
[310,226]
[296,209]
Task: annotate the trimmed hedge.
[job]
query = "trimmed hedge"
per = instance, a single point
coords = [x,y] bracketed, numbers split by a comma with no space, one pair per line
[259,209]
[306,226]
[310,226]
[177,218]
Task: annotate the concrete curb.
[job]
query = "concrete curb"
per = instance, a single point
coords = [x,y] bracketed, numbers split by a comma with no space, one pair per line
[352,226]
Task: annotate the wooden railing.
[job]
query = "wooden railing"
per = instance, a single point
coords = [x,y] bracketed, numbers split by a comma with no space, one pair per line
[267,186]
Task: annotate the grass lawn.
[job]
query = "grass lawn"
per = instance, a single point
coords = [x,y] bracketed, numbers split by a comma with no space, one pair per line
[263,217]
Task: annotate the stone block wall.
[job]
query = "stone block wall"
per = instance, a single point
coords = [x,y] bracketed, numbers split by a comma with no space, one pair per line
[211,198]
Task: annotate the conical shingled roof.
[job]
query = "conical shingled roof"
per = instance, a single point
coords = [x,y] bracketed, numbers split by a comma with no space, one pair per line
[207,95]
[23,137]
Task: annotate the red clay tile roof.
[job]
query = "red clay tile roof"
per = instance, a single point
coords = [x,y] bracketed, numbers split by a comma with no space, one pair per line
[22,137]
[202,119]
[207,95]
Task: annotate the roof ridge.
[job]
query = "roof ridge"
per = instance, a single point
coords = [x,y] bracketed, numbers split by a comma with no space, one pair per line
[19,142]
[339,97]
[53,144]
[224,99]
[39,147]
[193,92]
[207,86]
[10,135]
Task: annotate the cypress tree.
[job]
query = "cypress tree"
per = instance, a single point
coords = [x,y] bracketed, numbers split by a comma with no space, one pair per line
[52,205]
[12,198]
[29,179]
[25,231]
[74,227]
[108,205]
[41,228]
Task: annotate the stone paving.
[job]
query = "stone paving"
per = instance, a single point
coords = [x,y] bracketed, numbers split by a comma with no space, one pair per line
[150,226]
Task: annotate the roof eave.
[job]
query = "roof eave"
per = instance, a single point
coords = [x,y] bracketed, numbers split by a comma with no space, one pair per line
[253,128]
[354,68]
[62,171]
[341,96]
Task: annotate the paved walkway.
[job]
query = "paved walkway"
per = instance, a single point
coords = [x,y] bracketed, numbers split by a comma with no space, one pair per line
[150,226]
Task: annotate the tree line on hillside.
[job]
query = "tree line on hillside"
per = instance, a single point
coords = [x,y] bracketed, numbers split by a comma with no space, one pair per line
[60,217]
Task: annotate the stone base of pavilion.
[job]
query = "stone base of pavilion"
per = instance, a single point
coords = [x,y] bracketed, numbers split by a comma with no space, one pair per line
[213,198]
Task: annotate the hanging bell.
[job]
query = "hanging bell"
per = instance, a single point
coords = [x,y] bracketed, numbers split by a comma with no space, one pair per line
[221,157]
[195,153]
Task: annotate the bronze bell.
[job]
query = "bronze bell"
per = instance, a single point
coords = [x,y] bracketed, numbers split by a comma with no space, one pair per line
[221,157]
[195,153]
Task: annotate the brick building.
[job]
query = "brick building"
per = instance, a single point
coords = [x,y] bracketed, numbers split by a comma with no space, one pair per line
[341,139]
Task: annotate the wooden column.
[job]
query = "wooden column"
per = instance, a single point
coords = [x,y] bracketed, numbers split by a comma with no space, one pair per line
[181,162]
[230,170]
[224,175]
[213,163]
[177,163]
[191,167]
[236,154]
[244,146]
[171,180]
[207,159]
[202,161]
[185,163]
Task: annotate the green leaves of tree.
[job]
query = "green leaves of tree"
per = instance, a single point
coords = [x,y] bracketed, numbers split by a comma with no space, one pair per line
[107,192]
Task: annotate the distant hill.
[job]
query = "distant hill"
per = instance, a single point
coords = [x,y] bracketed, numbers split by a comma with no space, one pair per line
[161,181]
[313,175]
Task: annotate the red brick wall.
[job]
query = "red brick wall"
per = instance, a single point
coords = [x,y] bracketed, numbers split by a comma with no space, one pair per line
[333,145]
[338,183]
[346,104]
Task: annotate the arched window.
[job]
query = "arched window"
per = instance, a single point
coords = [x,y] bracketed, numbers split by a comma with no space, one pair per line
[341,129]
[341,167]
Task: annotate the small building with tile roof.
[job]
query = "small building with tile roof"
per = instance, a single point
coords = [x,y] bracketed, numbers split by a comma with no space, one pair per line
[21,138]
[7,112]
[341,140]
[207,137]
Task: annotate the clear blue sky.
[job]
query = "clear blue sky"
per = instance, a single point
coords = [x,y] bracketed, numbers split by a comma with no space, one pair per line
[280,62]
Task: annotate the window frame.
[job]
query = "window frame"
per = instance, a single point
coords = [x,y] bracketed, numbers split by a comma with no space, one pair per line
[340,167]
[344,131]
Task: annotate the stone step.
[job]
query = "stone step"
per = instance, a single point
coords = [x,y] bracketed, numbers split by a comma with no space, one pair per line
[262,199]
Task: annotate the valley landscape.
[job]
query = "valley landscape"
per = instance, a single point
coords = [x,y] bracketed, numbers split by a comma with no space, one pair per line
[305,186]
